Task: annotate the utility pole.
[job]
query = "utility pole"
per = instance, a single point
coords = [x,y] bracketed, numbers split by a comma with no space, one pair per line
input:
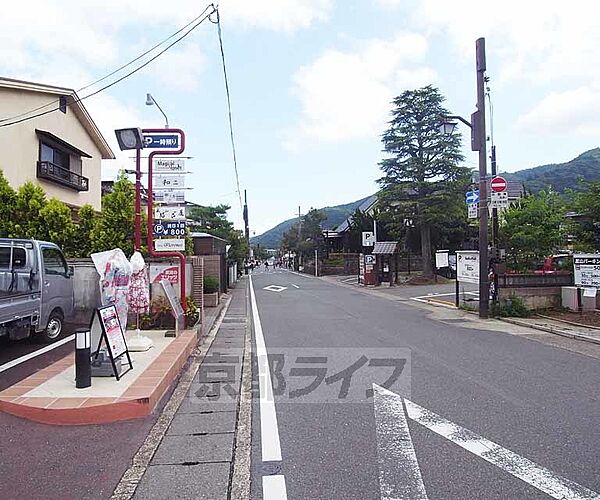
[246,226]
[299,235]
[479,139]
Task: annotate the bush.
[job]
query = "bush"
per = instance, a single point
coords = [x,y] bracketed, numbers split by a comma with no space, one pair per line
[210,284]
[192,315]
[514,307]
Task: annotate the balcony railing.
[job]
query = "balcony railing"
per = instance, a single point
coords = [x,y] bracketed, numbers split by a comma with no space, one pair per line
[50,171]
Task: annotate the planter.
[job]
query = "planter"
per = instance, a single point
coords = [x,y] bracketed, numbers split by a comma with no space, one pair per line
[211,299]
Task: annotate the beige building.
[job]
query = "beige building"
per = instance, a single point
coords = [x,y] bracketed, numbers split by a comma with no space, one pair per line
[60,150]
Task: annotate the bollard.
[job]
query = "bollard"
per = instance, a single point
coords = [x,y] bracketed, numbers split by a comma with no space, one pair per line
[83,365]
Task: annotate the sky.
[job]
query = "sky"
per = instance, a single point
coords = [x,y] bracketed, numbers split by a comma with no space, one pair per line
[311,83]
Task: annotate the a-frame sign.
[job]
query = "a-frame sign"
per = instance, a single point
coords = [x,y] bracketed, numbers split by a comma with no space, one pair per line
[105,321]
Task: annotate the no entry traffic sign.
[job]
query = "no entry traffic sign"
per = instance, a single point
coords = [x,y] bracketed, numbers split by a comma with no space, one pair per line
[499,184]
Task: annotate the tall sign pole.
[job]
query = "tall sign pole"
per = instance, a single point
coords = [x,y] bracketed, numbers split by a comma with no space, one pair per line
[480,139]
[246,226]
[138,201]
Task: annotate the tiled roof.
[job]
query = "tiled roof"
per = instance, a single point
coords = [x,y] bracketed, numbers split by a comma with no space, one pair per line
[385,247]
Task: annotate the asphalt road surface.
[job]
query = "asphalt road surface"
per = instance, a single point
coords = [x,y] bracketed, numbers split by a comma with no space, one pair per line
[473,415]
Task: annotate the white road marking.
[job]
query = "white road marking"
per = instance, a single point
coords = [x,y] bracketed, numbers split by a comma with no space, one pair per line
[274,488]
[269,432]
[39,352]
[520,467]
[399,473]
[275,288]
[350,280]
[295,286]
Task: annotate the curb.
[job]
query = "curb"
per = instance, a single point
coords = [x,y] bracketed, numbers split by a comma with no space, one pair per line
[555,331]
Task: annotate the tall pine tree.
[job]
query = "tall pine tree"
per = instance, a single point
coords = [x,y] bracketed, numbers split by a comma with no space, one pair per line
[424,182]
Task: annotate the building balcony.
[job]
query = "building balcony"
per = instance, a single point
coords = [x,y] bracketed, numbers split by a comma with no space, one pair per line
[51,172]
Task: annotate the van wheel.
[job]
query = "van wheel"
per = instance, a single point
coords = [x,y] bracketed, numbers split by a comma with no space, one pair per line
[54,327]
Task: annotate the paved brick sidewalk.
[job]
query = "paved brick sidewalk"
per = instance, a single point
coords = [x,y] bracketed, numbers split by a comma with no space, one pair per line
[195,457]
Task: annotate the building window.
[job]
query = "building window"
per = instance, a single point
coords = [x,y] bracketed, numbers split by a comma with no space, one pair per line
[60,162]
[55,156]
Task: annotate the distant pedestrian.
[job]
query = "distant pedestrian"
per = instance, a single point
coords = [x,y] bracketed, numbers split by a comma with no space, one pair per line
[266,265]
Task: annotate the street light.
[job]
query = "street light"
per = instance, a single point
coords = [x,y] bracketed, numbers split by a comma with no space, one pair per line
[132,138]
[478,143]
[151,101]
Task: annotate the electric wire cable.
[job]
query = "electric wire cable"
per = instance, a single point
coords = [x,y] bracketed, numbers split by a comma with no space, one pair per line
[197,20]
[228,94]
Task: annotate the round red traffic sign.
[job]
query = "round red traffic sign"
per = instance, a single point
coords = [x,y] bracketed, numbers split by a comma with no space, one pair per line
[499,184]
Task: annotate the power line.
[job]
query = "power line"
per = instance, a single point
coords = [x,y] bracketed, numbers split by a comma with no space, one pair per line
[235,166]
[196,20]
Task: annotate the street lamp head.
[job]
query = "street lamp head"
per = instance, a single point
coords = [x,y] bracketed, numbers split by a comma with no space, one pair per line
[149,100]
[447,128]
[129,138]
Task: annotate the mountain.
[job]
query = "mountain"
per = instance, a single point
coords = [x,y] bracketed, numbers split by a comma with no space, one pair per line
[335,216]
[557,175]
[560,175]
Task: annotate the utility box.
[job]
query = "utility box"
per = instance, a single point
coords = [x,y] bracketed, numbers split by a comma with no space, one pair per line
[573,297]
[569,298]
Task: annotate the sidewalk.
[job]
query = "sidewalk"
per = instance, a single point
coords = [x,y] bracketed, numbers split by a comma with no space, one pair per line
[194,455]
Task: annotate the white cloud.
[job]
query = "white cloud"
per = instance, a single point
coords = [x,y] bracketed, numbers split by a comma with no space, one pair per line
[346,95]
[573,112]
[536,40]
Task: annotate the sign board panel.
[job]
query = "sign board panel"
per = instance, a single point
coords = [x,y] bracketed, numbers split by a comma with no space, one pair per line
[106,329]
[169,213]
[168,181]
[170,196]
[169,228]
[176,308]
[441,259]
[498,184]
[169,245]
[472,197]
[159,272]
[587,270]
[169,166]
[161,141]
[467,266]
[499,200]
[368,238]
[472,210]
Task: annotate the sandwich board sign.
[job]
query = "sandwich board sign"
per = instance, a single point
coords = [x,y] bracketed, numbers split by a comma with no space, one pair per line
[176,309]
[106,328]
[467,266]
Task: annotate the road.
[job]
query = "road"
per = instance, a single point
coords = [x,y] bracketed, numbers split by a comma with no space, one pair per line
[462,392]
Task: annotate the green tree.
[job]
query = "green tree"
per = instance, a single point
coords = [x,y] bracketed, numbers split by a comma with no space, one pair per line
[30,200]
[586,227]
[56,225]
[424,182]
[8,200]
[82,240]
[115,228]
[307,236]
[213,220]
[532,229]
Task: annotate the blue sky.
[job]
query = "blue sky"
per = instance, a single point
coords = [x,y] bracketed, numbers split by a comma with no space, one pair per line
[311,82]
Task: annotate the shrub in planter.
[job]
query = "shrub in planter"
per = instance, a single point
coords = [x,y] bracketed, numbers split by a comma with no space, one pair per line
[513,307]
[192,314]
[210,284]
[160,313]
